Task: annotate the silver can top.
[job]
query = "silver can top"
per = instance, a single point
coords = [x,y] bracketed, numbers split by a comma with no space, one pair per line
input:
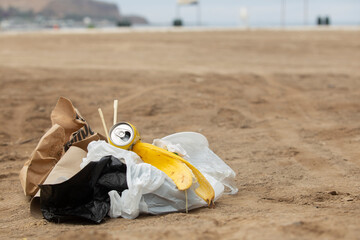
[121,134]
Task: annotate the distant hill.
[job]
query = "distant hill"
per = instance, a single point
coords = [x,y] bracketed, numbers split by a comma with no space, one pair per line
[134,19]
[25,5]
[80,9]
[73,9]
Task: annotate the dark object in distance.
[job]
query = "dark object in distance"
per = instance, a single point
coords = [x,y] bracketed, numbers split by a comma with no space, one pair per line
[327,20]
[124,23]
[323,20]
[177,23]
[85,195]
[319,21]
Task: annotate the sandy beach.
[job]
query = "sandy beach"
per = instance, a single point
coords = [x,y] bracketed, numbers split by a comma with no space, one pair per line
[280,107]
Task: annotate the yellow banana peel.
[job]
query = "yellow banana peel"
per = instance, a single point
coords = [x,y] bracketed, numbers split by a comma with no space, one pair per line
[177,168]
[205,190]
[165,161]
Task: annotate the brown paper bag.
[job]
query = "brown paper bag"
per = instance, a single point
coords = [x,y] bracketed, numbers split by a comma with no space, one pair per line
[69,128]
[66,168]
[48,151]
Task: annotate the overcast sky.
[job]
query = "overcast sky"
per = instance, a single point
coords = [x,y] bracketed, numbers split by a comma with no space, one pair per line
[227,12]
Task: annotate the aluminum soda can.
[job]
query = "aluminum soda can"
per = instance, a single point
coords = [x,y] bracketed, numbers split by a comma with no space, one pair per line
[123,135]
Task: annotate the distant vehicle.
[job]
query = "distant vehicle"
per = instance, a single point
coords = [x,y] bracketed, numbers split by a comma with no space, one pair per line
[124,23]
[323,20]
[178,22]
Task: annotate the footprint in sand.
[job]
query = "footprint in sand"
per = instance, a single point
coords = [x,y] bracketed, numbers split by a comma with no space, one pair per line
[226,117]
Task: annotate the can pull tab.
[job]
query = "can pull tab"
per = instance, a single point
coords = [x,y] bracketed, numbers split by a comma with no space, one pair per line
[123,134]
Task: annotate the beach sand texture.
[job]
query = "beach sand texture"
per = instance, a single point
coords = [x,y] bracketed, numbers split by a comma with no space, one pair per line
[280,107]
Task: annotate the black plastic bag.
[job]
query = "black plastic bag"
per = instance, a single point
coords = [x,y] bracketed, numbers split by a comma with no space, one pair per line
[85,195]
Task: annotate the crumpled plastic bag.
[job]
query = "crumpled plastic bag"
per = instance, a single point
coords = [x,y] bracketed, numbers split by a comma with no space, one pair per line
[198,153]
[175,148]
[85,195]
[151,190]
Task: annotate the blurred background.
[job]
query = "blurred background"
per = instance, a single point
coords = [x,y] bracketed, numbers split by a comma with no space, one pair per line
[40,14]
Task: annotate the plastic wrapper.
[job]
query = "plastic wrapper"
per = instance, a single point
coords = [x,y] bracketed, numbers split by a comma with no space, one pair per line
[85,195]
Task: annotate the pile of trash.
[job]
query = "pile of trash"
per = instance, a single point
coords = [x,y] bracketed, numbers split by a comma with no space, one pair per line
[75,172]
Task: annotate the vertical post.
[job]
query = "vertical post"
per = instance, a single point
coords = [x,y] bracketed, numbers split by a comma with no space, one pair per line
[177,11]
[244,16]
[282,13]
[198,14]
[306,12]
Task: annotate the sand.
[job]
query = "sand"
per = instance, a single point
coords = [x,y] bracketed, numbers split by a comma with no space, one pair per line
[280,107]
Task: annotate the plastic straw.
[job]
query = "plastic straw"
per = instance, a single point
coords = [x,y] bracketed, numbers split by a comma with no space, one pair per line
[104,124]
[186,202]
[115,111]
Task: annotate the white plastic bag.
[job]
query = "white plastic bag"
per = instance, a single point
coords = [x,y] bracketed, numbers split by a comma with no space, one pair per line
[142,178]
[151,190]
[175,148]
[198,153]
[99,149]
